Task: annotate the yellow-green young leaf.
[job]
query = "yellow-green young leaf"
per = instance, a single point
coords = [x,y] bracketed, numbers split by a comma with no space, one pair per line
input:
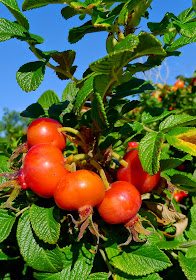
[183,139]
[150,151]
[10,30]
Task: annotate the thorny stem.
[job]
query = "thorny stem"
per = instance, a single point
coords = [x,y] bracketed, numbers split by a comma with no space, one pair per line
[56,69]
[72,130]
[148,129]
[101,172]
[119,159]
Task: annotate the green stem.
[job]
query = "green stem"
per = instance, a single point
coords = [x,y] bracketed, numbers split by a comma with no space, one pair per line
[22,211]
[119,159]
[72,130]
[56,69]
[102,173]
[74,158]
[148,129]
[111,270]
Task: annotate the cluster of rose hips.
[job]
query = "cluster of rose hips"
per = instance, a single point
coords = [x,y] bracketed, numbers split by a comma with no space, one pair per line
[45,172]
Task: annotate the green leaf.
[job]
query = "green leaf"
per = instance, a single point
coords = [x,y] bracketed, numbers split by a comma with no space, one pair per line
[14,9]
[7,220]
[159,26]
[147,259]
[132,11]
[170,36]
[10,30]
[134,86]
[176,120]
[188,266]
[124,276]
[45,224]
[102,83]
[69,95]
[152,61]
[183,139]
[98,113]
[4,257]
[84,93]
[181,42]
[190,231]
[130,48]
[4,161]
[68,12]
[32,4]
[173,162]
[180,179]
[65,60]
[77,33]
[98,276]
[168,245]
[48,98]
[40,257]
[79,269]
[194,5]
[191,252]
[156,114]
[186,15]
[149,152]
[30,75]
[188,29]
[33,111]
[103,22]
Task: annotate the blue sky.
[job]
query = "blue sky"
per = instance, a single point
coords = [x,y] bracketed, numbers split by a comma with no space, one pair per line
[48,23]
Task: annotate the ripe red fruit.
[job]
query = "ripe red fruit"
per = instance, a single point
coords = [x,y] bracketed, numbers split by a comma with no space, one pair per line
[45,130]
[135,174]
[178,196]
[78,190]
[42,169]
[179,84]
[132,145]
[120,204]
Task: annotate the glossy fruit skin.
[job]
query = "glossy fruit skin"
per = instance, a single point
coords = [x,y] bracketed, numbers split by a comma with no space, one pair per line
[120,204]
[43,169]
[135,174]
[178,196]
[132,145]
[45,130]
[79,189]
[179,84]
